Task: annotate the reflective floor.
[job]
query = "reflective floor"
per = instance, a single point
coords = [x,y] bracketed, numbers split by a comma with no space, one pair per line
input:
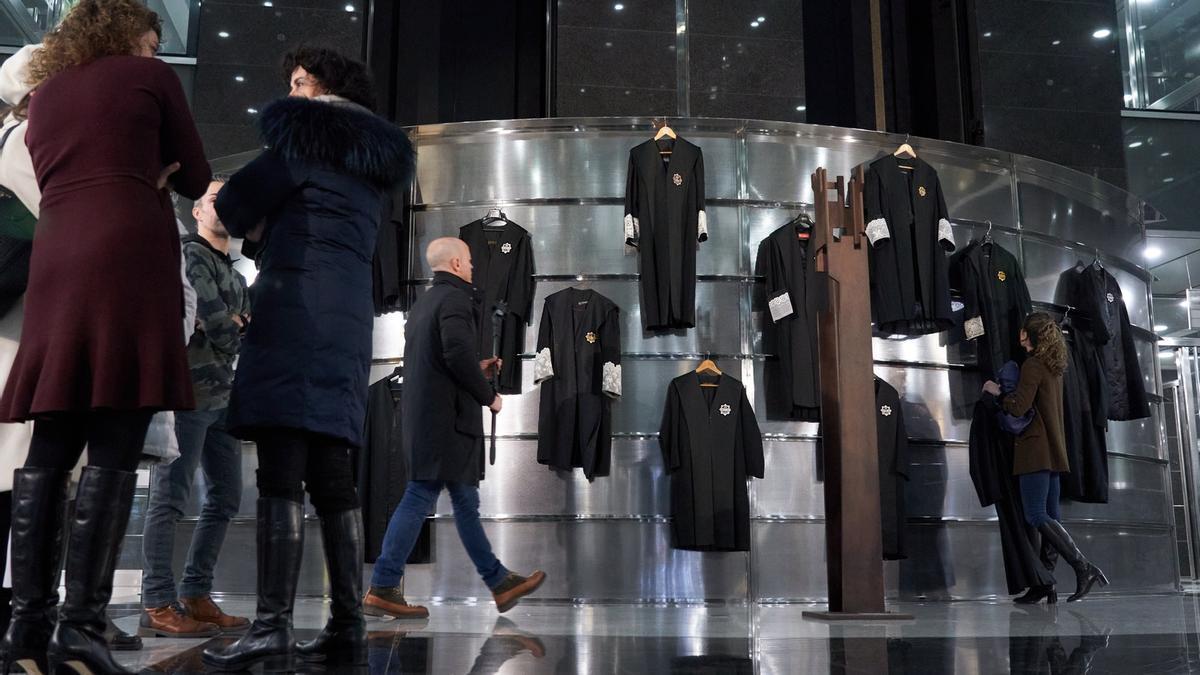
[1120,635]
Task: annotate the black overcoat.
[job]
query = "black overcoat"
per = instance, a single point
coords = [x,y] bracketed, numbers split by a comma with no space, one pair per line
[909,230]
[443,417]
[1100,315]
[319,189]
[578,365]
[664,219]
[787,263]
[995,302]
[991,466]
[711,443]
[893,469]
[503,262]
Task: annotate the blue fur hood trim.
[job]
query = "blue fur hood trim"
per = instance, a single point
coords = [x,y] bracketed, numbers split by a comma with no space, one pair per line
[343,136]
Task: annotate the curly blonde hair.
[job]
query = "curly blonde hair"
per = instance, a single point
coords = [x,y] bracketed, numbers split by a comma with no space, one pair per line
[91,30]
[1047,340]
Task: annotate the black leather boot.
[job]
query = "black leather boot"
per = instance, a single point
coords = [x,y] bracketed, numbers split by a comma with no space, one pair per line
[344,638]
[39,501]
[1035,594]
[280,537]
[101,515]
[1086,574]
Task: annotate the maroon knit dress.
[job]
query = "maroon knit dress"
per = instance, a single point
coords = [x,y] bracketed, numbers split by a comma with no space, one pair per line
[104,307]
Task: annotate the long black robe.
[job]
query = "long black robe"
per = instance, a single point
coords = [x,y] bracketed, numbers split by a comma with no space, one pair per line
[789,267]
[1100,317]
[664,218]
[893,469]
[381,471]
[710,442]
[1083,422]
[578,366]
[996,302]
[503,262]
[909,230]
[389,268]
[991,456]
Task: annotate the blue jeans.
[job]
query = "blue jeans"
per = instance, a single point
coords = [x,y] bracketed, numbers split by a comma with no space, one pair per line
[203,441]
[1039,497]
[420,498]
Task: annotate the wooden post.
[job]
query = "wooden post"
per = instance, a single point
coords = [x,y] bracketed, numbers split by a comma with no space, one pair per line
[853,541]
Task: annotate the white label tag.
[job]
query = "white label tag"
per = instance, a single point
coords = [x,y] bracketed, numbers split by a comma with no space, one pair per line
[781,306]
[973,327]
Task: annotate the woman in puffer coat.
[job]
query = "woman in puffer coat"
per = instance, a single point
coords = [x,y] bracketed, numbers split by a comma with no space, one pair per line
[313,199]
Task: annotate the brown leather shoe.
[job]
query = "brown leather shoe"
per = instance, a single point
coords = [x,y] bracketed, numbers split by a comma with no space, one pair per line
[171,621]
[389,602]
[514,587]
[204,609]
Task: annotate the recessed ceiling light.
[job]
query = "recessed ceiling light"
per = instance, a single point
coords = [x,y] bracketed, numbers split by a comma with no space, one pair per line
[223,34]
[349,8]
[252,111]
[239,78]
[754,24]
[801,108]
[1056,43]
[1152,253]
[1158,327]
[1135,144]
[1169,179]
[1102,33]
[988,34]
[268,3]
[762,19]
[1166,154]
[618,7]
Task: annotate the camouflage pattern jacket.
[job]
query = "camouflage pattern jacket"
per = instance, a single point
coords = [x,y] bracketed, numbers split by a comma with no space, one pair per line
[220,294]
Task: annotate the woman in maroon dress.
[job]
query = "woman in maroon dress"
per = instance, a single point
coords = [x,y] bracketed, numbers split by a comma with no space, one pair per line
[100,349]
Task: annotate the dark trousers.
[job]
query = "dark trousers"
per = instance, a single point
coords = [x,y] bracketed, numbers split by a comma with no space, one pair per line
[291,461]
[1039,497]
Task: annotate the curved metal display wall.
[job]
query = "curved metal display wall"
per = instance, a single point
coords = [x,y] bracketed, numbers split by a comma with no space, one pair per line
[564,180]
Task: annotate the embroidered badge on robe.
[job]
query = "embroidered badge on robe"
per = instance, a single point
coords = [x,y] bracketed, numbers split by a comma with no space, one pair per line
[590,337]
[506,248]
[725,409]
[886,411]
[1001,275]
[677,180]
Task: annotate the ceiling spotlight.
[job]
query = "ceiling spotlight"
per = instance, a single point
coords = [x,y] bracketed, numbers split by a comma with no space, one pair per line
[239,78]
[1135,144]
[754,24]
[988,34]
[801,108]
[1158,327]
[349,8]
[1056,43]
[1152,253]
[268,3]
[252,111]
[762,19]
[618,7]
[1102,33]
[1166,154]
[223,34]
[1169,179]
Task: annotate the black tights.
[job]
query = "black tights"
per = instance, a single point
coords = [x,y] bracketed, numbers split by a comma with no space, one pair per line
[291,461]
[114,439]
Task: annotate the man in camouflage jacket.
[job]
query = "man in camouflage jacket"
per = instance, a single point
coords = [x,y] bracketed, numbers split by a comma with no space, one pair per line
[223,310]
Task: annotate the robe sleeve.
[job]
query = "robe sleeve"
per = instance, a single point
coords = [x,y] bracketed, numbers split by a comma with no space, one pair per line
[633,223]
[701,216]
[900,461]
[253,193]
[963,277]
[945,232]
[543,362]
[1021,294]
[669,437]
[520,293]
[610,351]
[779,301]
[873,199]
[750,439]
[1020,400]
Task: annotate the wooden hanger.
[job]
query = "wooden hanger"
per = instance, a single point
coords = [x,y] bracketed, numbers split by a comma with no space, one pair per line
[708,365]
[905,149]
[665,130]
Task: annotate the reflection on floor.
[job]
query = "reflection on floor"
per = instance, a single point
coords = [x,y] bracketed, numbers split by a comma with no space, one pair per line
[1120,635]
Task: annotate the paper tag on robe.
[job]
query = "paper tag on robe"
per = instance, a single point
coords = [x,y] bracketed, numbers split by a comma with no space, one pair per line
[973,327]
[781,306]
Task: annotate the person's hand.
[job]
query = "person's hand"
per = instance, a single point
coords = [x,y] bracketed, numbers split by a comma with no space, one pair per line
[238,320]
[164,177]
[992,388]
[487,365]
[497,403]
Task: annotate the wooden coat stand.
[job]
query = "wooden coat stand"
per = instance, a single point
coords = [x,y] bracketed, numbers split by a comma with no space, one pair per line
[853,541]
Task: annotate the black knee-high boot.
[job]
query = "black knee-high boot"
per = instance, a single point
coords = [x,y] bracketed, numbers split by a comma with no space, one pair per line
[101,515]
[344,638]
[1086,574]
[280,535]
[39,500]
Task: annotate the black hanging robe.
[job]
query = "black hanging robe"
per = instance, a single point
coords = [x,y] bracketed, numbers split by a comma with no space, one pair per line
[1083,426]
[790,269]
[996,302]
[710,443]
[503,262]
[909,230]
[578,366]
[893,469]
[991,468]
[664,218]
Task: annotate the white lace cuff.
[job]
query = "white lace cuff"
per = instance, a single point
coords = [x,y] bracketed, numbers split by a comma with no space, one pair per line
[543,367]
[973,327]
[945,234]
[702,227]
[877,231]
[612,379]
[632,228]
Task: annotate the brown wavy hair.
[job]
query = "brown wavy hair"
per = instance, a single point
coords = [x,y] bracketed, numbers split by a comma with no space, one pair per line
[91,30]
[1047,340]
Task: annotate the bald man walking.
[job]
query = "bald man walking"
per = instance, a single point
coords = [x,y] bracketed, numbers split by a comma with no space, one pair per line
[445,391]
